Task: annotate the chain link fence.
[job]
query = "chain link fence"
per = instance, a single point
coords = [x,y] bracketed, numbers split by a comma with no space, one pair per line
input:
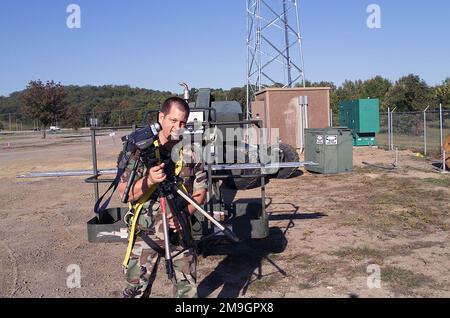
[407,131]
[433,142]
[417,131]
[383,135]
[18,123]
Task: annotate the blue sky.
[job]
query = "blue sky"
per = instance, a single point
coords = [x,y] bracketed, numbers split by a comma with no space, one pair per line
[155,44]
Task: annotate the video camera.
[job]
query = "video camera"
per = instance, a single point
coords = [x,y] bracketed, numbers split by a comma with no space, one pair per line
[141,141]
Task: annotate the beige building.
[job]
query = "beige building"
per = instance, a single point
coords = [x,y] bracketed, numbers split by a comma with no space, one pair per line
[282,108]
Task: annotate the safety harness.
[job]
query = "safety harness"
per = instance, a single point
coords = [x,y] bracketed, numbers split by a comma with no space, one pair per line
[136,209]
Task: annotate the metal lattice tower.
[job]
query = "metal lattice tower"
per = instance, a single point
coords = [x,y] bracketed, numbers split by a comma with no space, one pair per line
[274,46]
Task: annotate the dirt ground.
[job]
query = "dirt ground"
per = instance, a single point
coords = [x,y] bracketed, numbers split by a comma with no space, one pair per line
[329,234]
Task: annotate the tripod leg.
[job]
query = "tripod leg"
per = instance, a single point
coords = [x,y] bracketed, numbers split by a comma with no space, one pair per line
[225,230]
[182,218]
[168,256]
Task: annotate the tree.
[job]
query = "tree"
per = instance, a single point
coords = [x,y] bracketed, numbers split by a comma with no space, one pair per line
[350,90]
[46,103]
[193,93]
[409,93]
[73,116]
[441,93]
[376,87]
[103,112]
[238,94]
[127,114]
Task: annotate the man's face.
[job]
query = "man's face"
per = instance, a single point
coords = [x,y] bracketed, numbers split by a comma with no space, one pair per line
[172,122]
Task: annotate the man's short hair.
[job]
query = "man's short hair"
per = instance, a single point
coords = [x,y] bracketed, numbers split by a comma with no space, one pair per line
[179,102]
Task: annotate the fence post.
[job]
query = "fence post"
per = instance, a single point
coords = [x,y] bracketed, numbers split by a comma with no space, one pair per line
[389,128]
[392,127]
[425,131]
[94,158]
[441,120]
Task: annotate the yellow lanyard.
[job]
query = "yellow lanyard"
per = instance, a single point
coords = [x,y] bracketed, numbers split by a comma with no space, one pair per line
[137,208]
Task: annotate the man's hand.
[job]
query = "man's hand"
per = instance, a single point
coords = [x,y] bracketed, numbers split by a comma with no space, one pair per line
[173,224]
[156,175]
[199,197]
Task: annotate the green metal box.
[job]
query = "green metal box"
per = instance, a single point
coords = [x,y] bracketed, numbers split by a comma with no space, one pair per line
[331,148]
[362,116]
[108,227]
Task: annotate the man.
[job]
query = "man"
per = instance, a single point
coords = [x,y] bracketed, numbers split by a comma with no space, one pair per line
[143,262]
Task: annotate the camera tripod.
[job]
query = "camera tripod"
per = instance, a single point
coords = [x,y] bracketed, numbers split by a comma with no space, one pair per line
[143,143]
[166,195]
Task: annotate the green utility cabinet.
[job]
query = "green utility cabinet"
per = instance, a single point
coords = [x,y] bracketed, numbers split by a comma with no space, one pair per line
[362,116]
[331,148]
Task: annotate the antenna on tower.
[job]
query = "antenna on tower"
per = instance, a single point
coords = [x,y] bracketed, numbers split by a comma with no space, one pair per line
[274,46]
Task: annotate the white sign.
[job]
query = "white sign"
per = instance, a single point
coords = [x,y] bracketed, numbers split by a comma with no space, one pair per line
[319,140]
[331,140]
[122,234]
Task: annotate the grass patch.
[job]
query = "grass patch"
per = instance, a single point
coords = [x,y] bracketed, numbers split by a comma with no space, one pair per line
[313,271]
[361,253]
[266,283]
[397,204]
[416,218]
[307,234]
[441,182]
[368,169]
[305,286]
[315,275]
[398,280]
[377,256]
[418,169]
[408,249]
[402,281]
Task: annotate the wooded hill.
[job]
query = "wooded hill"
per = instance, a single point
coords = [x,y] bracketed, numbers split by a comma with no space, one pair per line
[123,105]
